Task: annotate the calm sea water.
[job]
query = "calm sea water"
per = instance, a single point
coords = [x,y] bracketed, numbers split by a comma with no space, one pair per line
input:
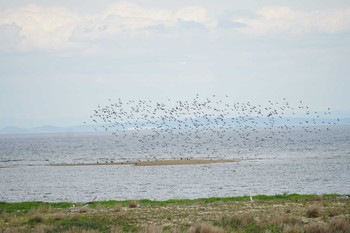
[270,162]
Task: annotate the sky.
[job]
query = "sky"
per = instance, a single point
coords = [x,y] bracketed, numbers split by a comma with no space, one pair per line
[60,59]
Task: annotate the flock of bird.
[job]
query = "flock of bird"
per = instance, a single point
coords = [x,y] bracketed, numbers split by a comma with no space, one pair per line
[209,126]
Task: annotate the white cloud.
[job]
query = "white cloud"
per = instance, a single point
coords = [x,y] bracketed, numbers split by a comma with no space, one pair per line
[38,28]
[194,14]
[41,28]
[132,19]
[49,28]
[131,10]
[278,19]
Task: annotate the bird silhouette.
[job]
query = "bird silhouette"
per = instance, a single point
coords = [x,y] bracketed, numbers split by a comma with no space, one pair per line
[208,127]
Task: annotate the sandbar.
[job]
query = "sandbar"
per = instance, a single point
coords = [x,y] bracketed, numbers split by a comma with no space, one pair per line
[153,162]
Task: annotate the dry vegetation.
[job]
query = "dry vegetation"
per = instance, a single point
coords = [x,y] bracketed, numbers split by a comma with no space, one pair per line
[286,216]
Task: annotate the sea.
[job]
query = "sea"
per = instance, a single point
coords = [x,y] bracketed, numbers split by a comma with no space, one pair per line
[300,161]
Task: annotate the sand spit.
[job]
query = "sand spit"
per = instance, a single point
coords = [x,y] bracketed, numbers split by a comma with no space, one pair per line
[152,163]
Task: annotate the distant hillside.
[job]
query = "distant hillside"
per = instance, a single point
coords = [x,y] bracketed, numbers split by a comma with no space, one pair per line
[47,129]
[92,128]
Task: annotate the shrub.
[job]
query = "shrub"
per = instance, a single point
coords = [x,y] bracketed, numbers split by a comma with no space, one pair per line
[340,225]
[237,221]
[115,229]
[36,219]
[333,212]
[317,228]
[152,229]
[281,220]
[175,230]
[293,229]
[132,204]
[83,210]
[14,230]
[117,208]
[205,228]
[80,230]
[43,228]
[288,210]
[313,212]
[58,216]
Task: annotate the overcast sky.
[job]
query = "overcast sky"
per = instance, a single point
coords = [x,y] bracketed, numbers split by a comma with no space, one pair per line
[60,59]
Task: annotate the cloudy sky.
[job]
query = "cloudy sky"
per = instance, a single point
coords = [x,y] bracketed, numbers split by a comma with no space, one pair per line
[60,59]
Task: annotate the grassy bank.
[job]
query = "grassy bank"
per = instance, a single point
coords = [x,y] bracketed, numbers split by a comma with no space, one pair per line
[279,213]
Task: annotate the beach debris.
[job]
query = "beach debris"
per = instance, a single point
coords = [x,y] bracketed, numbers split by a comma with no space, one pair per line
[74,209]
[342,198]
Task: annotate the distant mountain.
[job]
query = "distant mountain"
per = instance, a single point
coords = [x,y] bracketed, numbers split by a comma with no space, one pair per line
[13,130]
[247,119]
[47,129]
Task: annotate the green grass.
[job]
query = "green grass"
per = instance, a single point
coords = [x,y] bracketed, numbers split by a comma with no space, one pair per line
[84,223]
[27,206]
[275,214]
[10,207]
[244,222]
[210,200]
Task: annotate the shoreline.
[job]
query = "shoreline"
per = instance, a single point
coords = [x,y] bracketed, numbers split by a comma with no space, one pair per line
[153,162]
[195,201]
